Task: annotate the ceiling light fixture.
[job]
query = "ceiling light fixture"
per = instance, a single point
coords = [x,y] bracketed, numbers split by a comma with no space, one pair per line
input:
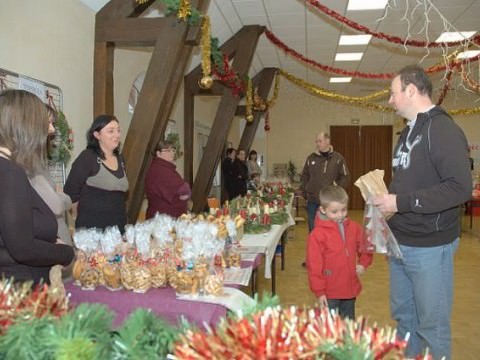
[355,56]
[354,39]
[366,5]
[340,79]
[454,36]
[468,54]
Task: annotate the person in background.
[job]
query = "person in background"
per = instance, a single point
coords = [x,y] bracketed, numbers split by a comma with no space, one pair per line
[227,172]
[323,167]
[254,170]
[166,191]
[56,200]
[431,179]
[29,246]
[240,175]
[97,182]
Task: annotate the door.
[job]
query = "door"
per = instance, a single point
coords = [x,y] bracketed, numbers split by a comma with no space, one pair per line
[365,148]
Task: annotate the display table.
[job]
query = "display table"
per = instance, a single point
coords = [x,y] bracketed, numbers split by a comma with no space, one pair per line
[162,302]
[470,206]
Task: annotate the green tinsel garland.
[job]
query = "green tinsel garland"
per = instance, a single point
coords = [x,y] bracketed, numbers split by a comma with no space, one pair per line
[61,146]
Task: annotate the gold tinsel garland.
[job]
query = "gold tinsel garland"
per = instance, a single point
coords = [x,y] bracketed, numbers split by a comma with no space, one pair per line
[206,81]
[331,95]
[276,87]
[249,101]
[184,10]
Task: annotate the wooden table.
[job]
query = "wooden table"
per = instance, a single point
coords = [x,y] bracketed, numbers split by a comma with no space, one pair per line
[470,205]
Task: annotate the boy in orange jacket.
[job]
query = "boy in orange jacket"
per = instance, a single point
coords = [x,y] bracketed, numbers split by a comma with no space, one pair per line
[336,253]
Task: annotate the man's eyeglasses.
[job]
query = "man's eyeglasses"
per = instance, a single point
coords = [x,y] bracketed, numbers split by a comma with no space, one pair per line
[170,150]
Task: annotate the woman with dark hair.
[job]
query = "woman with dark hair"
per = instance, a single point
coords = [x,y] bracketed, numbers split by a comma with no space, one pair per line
[166,191]
[97,182]
[254,170]
[28,229]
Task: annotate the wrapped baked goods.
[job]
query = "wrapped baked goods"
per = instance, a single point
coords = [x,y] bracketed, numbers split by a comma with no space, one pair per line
[90,278]
[214,284]
[79,267]
[142,279]
[233,258]
[186,282]
[158,273]
[111,276]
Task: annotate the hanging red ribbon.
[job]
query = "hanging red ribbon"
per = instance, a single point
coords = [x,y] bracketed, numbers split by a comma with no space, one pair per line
[390,38]
[358,74]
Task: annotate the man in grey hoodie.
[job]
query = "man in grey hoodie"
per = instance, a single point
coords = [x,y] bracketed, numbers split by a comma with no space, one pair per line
[431,179]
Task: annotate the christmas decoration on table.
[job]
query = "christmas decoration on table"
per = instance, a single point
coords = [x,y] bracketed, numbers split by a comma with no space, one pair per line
[379,237]
[61,144]
[143,336]
[24,301]
[81,334]
[291,333]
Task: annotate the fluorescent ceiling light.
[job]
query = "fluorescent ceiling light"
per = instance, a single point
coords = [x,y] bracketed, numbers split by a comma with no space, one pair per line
[356,56]
[366,4]
[468,54]
[340,79]
[354,39]
[454,36]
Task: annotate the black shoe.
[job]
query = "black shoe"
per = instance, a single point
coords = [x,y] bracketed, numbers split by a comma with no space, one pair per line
[304,264]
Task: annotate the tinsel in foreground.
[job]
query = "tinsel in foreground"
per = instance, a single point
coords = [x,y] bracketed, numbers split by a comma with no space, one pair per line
[21,301]
[292,333]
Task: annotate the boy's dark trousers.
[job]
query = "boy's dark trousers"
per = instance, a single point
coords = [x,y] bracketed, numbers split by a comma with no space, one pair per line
[345,307]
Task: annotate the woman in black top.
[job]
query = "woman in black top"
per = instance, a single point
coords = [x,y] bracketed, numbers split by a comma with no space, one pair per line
[28,228]
[240,175]
[97,182]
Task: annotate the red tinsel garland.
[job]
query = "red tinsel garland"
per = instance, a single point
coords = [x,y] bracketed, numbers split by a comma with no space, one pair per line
[383,36]
[384,76]
[445,87]
[228,76]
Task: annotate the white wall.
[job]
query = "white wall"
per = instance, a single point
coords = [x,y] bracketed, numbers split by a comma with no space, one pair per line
[52,41]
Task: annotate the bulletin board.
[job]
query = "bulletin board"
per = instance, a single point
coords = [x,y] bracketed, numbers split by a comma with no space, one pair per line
[49,94]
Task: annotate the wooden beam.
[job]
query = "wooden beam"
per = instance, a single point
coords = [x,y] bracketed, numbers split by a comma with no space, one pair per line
[131,31]
[263,80]
[103,78]
[228,48]
[246,41]
[116,9]
[155,103]
[147,117]
[188,133]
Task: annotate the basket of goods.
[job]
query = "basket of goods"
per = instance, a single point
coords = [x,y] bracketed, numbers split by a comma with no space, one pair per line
[87,269]
[112,246]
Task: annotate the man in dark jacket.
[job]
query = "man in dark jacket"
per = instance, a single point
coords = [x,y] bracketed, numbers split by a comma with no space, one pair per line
[431,179]
[322,168]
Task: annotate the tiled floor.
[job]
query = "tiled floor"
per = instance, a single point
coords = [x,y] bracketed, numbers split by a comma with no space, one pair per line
[292,287]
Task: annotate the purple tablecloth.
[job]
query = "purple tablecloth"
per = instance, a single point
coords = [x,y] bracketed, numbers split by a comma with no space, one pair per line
[161,301]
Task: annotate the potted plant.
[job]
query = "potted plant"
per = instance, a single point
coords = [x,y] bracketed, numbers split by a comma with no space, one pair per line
[291,171]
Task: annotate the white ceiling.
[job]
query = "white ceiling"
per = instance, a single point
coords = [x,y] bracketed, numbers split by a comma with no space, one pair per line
[316,35]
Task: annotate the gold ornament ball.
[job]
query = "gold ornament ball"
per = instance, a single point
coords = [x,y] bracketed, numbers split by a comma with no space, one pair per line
[205,82]
[250,118]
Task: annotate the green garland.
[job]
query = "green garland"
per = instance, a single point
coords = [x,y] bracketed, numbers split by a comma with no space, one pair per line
[61,146]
